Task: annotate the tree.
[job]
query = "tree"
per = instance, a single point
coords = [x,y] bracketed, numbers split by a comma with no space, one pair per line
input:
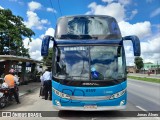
[48,59]
[138,63]
[12,32]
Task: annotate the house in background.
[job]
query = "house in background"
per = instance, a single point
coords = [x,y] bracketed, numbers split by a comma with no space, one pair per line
[151,67]
[131,69]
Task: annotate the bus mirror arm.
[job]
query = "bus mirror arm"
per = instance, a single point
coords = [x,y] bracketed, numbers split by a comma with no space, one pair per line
[136,44]
[45,44]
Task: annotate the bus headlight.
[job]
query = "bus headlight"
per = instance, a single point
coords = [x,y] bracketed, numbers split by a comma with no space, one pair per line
[60,94]
[122,102]
[118,94]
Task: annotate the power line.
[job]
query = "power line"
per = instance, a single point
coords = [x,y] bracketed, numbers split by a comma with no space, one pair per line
[59,8]
[53,9]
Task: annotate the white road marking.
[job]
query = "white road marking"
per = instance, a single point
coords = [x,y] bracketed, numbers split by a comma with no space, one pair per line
[142,96]
[141,108]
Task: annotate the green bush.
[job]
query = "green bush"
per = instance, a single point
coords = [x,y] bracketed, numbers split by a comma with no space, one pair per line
[145,79]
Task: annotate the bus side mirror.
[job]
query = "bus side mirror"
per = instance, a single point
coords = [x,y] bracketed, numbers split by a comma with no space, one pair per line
[136,44]
[45,45]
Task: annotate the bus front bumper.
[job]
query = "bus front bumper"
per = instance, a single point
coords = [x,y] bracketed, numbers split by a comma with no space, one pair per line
[99,108]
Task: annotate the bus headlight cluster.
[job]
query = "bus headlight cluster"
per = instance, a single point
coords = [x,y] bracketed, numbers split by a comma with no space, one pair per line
[118,94]
[60,94]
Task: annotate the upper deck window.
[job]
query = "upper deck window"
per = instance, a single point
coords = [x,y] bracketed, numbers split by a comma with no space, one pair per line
[88,27]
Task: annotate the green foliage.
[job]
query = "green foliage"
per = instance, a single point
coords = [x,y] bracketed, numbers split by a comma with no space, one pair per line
[48,59]
[145,79]
[12,32]
[138,62]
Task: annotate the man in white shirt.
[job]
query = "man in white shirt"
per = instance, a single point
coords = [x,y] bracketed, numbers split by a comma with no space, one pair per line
[46,80]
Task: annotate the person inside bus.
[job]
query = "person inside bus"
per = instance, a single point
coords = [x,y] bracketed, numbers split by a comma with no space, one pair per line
[11,80]
[46,78]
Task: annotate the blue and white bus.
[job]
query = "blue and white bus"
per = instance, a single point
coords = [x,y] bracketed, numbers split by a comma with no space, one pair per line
[88,63]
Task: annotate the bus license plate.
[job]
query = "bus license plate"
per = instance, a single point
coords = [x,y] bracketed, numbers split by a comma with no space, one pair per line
[90,107]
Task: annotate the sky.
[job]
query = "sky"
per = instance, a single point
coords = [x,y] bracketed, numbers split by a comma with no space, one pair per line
[135,17]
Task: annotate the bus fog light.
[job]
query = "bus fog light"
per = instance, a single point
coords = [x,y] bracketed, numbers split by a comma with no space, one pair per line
[122,102]
[57,103]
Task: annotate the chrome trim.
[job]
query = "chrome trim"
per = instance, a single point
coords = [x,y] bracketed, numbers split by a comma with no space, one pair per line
[91,98]
[88,98]
[102,108]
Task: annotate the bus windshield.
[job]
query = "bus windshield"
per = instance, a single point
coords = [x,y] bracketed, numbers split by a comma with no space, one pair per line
[89,63]
[90,27]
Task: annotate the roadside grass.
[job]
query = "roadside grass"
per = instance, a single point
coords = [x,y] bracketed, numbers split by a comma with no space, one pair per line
[145,79]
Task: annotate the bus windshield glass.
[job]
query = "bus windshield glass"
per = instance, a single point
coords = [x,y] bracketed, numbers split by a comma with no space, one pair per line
[89,63]
[90,27]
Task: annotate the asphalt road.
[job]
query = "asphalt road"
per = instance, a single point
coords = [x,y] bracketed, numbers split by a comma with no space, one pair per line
[142,96]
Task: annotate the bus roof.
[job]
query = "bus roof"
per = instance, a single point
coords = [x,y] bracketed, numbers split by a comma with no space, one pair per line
[68,16]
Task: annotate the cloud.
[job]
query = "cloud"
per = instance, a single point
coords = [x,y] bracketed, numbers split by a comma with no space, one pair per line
[35,45]
[34,21]
[51,10]
[129,53]
[141,29]
[34,6]
[113,9]
[19,2]
[149,50]
[155,12]
[109,1]
[149,1]
[133,13]
[116,8]
[156,27]
[50,32]
[34,48]
[123,2]
[36,55]
[152,45]
[1,7]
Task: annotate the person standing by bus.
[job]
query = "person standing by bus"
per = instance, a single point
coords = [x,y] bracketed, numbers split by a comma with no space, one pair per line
[46,78]
[10,79]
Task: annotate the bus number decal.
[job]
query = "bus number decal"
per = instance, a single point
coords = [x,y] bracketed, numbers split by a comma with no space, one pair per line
[90,90]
